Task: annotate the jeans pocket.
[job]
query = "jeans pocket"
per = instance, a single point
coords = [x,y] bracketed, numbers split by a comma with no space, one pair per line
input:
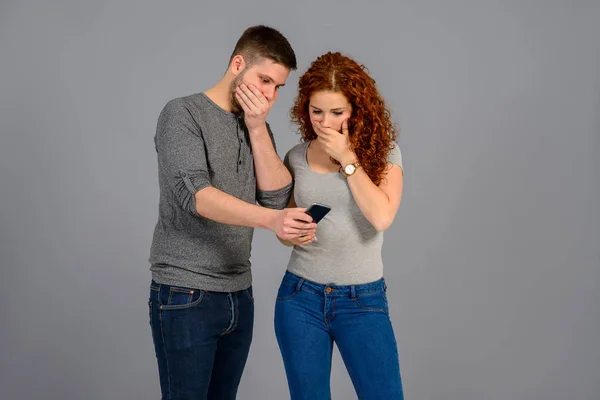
[249,294]
[286,292]
[179,298]
[373,301]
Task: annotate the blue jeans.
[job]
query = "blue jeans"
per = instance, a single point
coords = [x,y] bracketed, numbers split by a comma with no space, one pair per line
[201,340]
[309,317]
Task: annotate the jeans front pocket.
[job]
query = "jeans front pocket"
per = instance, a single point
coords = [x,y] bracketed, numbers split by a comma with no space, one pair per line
[179,298]
[372,301]
[287,291]
[249,294]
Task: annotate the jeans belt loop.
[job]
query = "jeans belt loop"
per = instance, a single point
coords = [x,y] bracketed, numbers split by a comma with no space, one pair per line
[299,285]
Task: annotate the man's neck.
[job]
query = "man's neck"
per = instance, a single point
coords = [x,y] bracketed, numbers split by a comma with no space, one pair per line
[220,94]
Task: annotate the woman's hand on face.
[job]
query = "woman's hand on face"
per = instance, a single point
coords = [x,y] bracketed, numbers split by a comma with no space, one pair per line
[336,144]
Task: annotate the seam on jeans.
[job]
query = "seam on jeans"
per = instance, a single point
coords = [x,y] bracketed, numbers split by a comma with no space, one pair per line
[237,314]
[166,307]
[291,296]
[358,293]
[331,316]
[247,291]
[162,334]
[382,309]
[288,297]
[309,290]
[232,324]
[173,290]
[377,309]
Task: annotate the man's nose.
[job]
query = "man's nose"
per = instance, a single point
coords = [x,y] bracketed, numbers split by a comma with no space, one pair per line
[270,94]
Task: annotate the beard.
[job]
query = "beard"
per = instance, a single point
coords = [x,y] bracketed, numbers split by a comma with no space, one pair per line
[236,108]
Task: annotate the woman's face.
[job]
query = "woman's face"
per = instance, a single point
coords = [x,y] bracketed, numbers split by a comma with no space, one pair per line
[329,108]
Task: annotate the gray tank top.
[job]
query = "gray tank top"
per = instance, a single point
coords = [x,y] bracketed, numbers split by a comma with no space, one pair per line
[348,248]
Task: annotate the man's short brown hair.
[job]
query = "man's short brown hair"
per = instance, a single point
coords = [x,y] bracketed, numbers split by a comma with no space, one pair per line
[264,42]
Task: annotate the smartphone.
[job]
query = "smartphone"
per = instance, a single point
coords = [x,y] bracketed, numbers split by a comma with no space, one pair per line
[318,211]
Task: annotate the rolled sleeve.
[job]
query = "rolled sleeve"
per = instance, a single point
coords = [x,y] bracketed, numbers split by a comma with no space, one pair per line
[276,199]
[181,154]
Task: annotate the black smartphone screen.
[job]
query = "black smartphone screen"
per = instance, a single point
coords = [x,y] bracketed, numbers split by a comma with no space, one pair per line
[318,211]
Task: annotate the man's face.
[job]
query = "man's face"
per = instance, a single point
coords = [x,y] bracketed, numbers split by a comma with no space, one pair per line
[266,75]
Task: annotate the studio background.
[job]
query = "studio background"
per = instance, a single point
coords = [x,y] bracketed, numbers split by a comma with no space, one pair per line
[492,264]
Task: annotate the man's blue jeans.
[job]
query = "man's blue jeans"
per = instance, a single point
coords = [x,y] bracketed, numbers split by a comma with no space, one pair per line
[201,340]
[310,317]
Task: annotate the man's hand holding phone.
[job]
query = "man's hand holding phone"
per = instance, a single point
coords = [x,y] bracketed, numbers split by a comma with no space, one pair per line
[292,223]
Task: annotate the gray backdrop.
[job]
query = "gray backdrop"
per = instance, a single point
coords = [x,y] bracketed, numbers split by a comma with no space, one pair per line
[493,260]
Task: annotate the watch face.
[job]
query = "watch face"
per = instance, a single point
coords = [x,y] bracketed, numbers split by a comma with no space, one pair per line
[349,169]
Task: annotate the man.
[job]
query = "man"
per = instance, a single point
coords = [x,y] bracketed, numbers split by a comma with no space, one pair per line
[217,159]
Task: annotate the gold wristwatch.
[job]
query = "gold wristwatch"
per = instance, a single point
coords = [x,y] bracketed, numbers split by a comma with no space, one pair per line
[350,169]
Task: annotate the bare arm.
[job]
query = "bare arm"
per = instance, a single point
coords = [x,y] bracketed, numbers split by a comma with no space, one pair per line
[270,172]
[379,204]
[219,206]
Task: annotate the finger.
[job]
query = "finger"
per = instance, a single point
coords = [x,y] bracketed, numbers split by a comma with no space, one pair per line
[345,127]
[305,240]
[296,239]
[242,103]
[298,231]
[250,96]
[301,225]
[300,214]
[292,237]
[258,94]
[320,133]
[326,131]
[244,96]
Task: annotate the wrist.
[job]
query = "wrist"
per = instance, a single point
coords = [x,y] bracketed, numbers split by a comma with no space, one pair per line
[270,218]
[258,129]
[348,158]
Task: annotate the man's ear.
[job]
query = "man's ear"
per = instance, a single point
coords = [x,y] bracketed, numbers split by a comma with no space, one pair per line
[237,65]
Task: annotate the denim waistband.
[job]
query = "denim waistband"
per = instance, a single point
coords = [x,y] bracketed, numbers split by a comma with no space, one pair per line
[333,290]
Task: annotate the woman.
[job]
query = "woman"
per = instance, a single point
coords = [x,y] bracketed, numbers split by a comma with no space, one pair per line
[333,289]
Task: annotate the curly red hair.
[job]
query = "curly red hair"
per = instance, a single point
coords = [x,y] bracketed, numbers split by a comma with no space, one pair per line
[371,131]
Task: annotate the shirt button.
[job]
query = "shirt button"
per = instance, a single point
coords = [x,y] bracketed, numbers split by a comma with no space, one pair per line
[241,140]
[239,162]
